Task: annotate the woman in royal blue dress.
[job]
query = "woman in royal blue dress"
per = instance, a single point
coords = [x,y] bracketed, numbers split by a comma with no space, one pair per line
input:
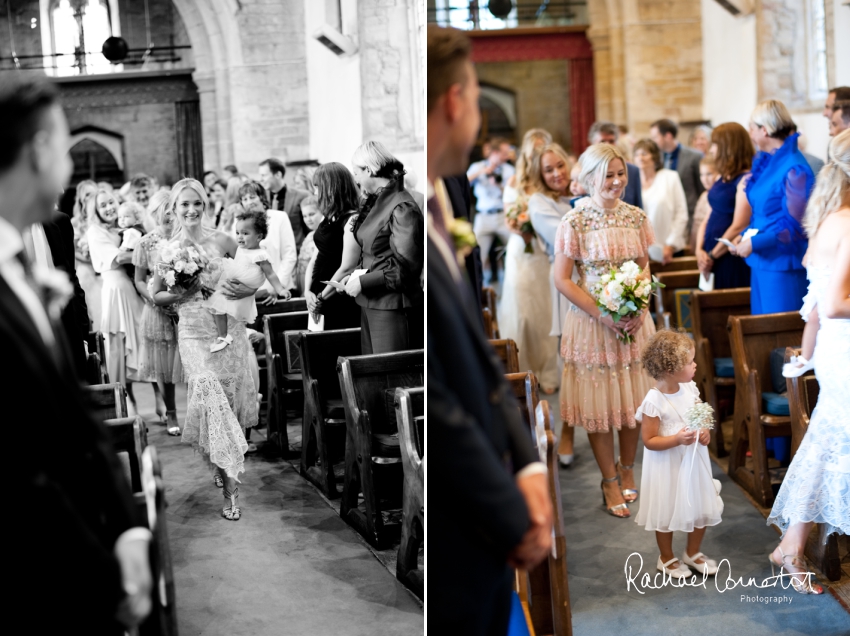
[778,191]
[730,210]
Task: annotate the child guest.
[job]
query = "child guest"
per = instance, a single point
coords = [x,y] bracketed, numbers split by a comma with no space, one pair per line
[312,217]
[678,490]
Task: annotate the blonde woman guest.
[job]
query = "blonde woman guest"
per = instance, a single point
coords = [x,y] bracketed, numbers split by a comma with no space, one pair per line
[89,280]
[815,487]
[603,381]
[390,230]
[525,310]
[534,138]
[222,395]
[663,201]
[120,305]
[550,177]
[159,358]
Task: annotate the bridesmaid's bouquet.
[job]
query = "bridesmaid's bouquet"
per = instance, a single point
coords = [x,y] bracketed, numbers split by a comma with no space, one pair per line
[518,221]
[623,293]
[180,265]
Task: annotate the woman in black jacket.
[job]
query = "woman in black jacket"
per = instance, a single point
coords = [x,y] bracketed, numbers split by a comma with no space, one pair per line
[390,230]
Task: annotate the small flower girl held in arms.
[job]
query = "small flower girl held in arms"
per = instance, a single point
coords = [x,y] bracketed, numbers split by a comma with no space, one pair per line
[250,267]
[678,490]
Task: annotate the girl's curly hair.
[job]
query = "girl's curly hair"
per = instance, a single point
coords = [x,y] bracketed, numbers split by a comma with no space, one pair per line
[259,218]
[666,352]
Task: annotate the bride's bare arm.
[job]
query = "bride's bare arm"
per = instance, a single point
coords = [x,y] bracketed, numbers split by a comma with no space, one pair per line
[575,294]
[836,301]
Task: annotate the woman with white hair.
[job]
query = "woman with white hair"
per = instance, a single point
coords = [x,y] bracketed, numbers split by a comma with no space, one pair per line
[390,230]
[222,397]
[816,488]
[603,381]
[120,306]
[778,189]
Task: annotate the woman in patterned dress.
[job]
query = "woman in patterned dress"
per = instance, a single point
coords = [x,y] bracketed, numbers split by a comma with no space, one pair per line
[222,397]
[603,380]
[159,359]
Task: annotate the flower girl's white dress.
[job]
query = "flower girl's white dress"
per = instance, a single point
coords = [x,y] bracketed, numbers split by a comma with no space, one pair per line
[816,486]
[244,267]
[677,491]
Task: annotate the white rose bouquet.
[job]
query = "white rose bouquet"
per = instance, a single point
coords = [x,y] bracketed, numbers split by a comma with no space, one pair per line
[180,266]
[624,293]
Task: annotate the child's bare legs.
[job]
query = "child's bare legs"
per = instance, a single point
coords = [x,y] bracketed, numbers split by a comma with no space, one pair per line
[665,546]
[694,542]
[223,338]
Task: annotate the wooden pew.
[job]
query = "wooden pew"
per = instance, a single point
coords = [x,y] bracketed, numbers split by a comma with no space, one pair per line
[107,401]
[678,264]
[372,455]
[802,398]
[129,437]
[488,309]
[508,354]
[162,620]
[665,297]
[410,415]
[96,371]
[544,590]
[710,312]
[283,384]
[752,339]
[323,425]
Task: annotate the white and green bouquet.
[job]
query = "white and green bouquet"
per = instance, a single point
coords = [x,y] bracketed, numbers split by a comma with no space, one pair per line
[180,266]
[623,293]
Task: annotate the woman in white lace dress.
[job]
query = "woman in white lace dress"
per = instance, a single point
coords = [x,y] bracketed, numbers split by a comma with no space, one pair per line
[816,488]
[222,398]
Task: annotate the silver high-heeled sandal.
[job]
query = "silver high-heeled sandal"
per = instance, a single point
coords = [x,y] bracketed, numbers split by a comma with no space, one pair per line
[612,510]
[232,512]
[803,587]
[629,494]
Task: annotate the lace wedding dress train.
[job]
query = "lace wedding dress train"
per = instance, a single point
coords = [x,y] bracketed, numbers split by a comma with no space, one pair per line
[817,484]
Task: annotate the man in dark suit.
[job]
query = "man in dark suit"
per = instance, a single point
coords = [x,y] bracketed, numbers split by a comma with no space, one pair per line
[79,556]
[680,158]
[284,198]
[488,493]
[606,132]
[75,317]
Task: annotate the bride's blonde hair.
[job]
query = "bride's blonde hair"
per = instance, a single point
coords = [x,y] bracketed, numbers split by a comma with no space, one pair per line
[832,189]
[177,189]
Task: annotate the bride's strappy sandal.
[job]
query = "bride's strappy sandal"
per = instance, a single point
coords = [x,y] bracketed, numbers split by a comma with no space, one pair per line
[232,512]
[629,494]
[218,481]
[803,587]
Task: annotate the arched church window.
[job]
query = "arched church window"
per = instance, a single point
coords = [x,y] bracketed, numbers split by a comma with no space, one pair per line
[820,82]
[78,29]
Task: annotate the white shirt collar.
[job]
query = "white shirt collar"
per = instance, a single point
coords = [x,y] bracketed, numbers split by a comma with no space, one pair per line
[11,242]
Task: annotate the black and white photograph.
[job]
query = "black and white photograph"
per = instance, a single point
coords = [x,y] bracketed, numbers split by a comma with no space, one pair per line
[212,320]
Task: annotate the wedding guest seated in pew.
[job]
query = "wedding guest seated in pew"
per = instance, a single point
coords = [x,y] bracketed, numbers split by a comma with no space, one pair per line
[495,515]
[337,251]
[75,521]
[816,484]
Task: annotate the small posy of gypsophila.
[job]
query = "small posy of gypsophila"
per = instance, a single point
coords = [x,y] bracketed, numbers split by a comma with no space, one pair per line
[699,417]
[56,289]
[462,236]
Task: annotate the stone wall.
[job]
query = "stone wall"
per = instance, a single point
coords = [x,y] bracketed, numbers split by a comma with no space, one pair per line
[542,94]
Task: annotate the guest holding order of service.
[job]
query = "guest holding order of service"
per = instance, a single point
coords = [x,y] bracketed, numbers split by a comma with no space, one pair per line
[603,381]
[390,230]
[778,190]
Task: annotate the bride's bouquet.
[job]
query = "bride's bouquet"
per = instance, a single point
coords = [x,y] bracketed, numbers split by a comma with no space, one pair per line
[180,266]
[518,221]
[624,293]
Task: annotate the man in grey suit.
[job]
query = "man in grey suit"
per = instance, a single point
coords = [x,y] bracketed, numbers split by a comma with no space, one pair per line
[680,158]
[284,198]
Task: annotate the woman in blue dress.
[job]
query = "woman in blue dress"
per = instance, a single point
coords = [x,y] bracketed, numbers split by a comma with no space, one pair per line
[778,190]
[730,210]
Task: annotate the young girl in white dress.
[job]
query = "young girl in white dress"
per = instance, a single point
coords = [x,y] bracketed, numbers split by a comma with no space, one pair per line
[677,487]
[251,266]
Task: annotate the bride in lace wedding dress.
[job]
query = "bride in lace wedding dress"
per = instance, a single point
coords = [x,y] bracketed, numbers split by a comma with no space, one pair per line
[222,399]
[816,488]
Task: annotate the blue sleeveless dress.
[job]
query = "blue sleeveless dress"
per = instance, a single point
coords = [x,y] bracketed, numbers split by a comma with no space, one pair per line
[729,270]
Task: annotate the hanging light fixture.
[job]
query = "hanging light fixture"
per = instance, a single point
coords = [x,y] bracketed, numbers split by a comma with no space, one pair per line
[500,8]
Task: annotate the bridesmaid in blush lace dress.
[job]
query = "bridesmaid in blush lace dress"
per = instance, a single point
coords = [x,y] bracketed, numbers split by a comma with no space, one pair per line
[222,398]
[603,381]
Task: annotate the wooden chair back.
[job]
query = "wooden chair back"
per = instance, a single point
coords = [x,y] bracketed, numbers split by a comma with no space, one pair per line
[96,370]
[491,329]
[678,264]
[489,302]
[129,437]
[710,313]
[752,339]
[280,307]
[107,401]
[162,620]
[410,414]
[323,424]
[364,382]
[508,353]
[665,297]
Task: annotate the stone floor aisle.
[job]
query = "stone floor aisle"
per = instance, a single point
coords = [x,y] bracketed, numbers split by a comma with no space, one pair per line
[289,566]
